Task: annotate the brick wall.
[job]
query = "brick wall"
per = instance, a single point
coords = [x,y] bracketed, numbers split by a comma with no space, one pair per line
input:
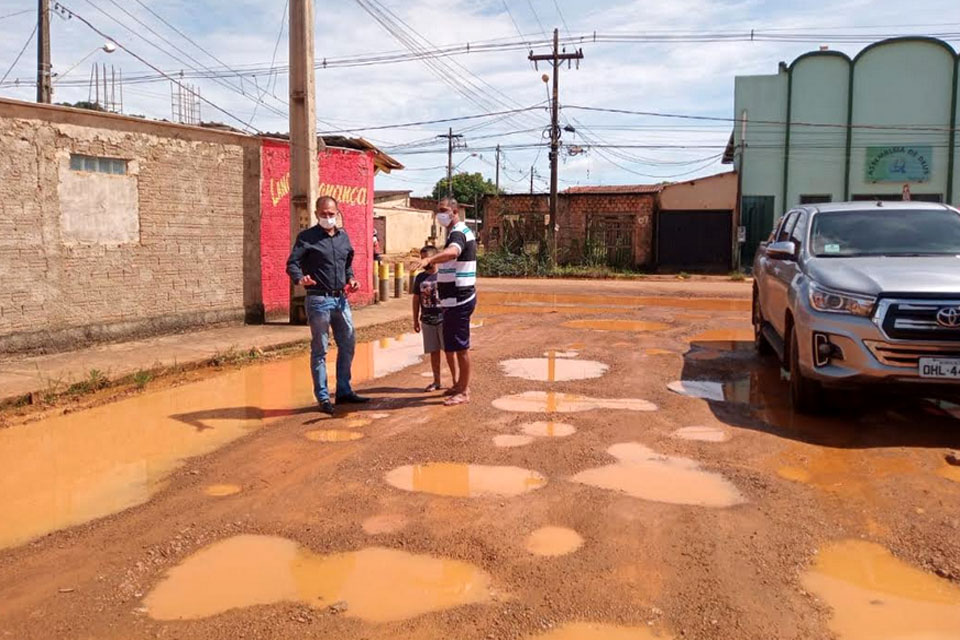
[197,210]
[525,214]
[345,174]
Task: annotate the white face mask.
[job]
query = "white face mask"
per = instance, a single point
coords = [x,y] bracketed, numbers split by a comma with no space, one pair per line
[327,223]
[444,219]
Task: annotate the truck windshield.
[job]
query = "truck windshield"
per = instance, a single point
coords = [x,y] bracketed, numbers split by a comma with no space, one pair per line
[885,232]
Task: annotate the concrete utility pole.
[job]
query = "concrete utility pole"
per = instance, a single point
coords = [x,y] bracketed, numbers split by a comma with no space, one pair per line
[531,180]
[44,85]
[556,58]
[304,177]
[451,145]
[498,170]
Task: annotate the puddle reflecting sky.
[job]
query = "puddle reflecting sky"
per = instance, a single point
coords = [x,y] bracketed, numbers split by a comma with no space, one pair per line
[376,584]
[617,325]
[552,402]
[527,299]
[465,480]
[553,369]
[70,469]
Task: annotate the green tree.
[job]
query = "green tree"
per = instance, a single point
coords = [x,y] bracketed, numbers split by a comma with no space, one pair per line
[83,104]
[467,187]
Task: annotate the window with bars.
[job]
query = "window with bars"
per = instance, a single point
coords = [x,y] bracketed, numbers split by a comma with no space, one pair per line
[96,164]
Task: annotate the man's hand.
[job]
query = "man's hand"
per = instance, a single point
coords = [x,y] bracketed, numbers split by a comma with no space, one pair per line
[416,325]
[423,264]
[307,281]
[354,285]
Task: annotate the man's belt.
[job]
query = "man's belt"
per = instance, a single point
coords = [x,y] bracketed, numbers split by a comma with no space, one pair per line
[325,294]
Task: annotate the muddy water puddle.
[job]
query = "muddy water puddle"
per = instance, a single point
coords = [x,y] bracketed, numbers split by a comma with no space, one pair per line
[561,354]
[875,596]
[74,468]
[509,440]
[552,402]
[221,490]
[332,435]
[596,631]
[374,584]
[617,325]
[526,299]
[701,434]
[465,480]
[553,369]
[553,541]
[642,473]
[734,391]
[735,339]
[549,429]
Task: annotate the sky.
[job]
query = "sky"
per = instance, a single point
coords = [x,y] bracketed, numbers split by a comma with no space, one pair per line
[667,77]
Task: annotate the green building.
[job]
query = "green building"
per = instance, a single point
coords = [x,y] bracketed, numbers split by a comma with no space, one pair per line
[829,128]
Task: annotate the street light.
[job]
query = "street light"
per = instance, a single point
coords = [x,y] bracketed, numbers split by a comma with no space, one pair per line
[107,47]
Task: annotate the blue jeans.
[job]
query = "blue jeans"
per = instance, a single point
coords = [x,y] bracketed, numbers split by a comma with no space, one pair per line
[322,313]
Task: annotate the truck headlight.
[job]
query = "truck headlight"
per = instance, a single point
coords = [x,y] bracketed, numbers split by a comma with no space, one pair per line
[831,301]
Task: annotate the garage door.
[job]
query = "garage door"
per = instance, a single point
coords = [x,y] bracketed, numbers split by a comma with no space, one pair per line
[694,240]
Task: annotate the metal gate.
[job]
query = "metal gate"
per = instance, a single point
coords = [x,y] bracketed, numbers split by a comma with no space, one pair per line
[695,240]
[609,242]
[757,218]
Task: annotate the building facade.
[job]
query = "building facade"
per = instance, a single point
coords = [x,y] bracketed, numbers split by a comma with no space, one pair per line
[113,227]
[828,127]
[402,228]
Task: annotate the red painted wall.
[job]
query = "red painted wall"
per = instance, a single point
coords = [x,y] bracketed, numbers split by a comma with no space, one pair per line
[345,174]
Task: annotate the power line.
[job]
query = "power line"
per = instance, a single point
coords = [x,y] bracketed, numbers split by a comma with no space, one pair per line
[73,14]
[534,11]
[562,19]
[276,47]
[16,13]
[437,121]
[20,55]
[512,19]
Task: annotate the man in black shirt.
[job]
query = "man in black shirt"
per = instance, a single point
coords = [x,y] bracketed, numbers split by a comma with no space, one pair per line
[322,262]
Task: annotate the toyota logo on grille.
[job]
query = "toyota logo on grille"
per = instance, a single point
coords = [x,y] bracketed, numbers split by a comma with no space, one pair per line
[949,317]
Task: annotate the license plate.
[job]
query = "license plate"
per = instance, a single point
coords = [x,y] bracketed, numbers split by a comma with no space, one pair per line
[946,368]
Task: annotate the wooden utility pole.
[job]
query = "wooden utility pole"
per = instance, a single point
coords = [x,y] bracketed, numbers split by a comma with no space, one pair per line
[556,59]
[498,170]
[531,180]
[451,145]
[44,85]
[304,177]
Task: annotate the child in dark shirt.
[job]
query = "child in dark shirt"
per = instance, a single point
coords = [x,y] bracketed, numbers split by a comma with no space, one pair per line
[427,319]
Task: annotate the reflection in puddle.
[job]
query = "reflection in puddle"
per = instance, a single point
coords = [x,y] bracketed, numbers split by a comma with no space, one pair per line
[527,299]
[549,429]
[552,402]
[332,435]
[553,541]
[739,339]
[617,325]
[510,440]
[561,354]
[796,474]
[552,369]
[590,631]
[379,416]
[737,391]
[465,480]
[221,490]
[387,523]
[356,423]
[702,434]
[659,352]
[875,596]
[643,473]
[949,472]
[74,468]
[377,584]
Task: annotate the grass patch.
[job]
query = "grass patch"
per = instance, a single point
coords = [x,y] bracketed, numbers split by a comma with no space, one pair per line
[737,276]
[141,378]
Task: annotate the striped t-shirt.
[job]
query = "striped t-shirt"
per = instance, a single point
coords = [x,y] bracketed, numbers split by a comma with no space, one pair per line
[457,279]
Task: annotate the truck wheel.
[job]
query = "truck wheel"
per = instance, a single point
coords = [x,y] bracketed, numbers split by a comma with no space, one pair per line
[759,340]
[806,395]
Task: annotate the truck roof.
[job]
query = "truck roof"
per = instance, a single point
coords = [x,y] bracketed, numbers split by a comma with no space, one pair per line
[862,205]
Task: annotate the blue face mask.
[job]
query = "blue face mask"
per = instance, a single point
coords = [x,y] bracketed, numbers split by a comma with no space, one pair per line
[444,219]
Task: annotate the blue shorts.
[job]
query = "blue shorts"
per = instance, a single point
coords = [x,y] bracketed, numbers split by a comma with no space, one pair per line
[456,326]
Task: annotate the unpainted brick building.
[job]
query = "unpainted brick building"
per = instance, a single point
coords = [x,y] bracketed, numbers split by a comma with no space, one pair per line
[112,226]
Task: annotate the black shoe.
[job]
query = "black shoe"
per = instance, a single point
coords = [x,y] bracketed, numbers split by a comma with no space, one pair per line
[325,407]
[352,399]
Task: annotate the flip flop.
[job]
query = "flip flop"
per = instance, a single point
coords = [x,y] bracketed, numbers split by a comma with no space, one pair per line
[433,386]
[452,401]
[452,391]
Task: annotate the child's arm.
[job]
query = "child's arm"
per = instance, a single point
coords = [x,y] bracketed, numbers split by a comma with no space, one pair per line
[416,309]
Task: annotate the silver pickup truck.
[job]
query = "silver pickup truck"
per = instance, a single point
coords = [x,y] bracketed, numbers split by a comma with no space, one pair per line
[858,293]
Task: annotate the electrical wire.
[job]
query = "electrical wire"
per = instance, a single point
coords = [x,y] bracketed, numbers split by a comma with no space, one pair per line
[15,13]
[537,17]
[513,20]
[562,19]
[74,14]
[20,55]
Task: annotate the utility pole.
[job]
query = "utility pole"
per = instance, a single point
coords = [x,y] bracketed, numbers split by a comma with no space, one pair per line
[556,59]
[531,180]
[498,170]
[303,131]
[451,145]
[44,84]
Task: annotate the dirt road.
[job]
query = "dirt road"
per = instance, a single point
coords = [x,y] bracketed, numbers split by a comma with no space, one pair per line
[628,468]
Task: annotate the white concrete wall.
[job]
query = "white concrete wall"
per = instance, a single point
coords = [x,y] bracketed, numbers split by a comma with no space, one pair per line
[407,229]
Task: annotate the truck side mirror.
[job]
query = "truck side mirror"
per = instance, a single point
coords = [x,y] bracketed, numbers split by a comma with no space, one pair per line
[782,251]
